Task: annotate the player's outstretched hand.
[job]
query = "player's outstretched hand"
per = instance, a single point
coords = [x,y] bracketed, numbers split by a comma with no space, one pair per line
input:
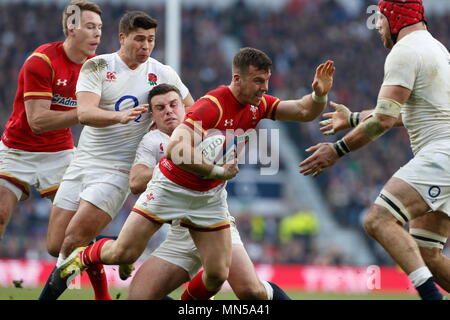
[323,157]
[231,170]
[335,121]
[323,79]
[131,114]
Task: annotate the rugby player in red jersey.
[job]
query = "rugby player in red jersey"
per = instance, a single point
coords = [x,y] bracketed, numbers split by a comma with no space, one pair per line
[193,190]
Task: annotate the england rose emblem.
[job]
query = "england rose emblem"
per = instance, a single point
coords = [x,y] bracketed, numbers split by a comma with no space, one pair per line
[152,79]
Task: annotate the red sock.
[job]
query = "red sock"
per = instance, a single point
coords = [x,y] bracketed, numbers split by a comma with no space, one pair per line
[97,276]
[196,289]
[91,255]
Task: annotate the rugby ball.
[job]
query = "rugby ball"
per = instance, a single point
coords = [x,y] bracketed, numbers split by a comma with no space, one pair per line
[218,148]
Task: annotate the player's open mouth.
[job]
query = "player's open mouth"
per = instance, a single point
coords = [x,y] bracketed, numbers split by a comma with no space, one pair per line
[171,119]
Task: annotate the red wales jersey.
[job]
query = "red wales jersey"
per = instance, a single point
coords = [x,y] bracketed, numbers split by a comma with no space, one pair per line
[220,110]
[47,74]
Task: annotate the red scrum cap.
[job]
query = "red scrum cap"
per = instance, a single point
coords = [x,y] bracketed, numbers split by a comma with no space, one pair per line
[401,13]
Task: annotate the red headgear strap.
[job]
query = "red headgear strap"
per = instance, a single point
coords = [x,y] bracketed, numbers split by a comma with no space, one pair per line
[401,13]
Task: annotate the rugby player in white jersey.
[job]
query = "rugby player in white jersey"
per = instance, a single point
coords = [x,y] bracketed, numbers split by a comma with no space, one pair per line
[415,92]
[176,260]
[112,93]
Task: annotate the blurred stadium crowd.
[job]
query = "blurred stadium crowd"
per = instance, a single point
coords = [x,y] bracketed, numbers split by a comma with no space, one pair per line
[297,38]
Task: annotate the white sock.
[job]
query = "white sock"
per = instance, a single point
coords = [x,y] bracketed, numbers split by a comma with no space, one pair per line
[419,276]
[60,260]
[269,290]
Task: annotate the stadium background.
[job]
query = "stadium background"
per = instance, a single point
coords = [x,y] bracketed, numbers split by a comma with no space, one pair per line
[286,233]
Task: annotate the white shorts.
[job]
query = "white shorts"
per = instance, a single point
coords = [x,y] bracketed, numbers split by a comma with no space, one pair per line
[43,170]
[429,173]
[179,248]
[105,189]
[164,201]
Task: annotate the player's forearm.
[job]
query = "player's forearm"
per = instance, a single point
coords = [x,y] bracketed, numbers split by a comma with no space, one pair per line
[96,117]
[138,183]
[369,130]
[309,109]
[51,120]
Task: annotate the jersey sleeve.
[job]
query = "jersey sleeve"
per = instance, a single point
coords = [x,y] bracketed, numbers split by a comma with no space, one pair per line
[90,78]
[174,79]
[401,68]
[145,153]
[270,104]
[38,78]
[203,115]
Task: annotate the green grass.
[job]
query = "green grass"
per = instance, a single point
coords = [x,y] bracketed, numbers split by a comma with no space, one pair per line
[11,293]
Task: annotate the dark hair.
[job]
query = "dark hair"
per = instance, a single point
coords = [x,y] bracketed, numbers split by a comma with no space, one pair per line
[247,57]
[84,6]
[160,89]
[133,20]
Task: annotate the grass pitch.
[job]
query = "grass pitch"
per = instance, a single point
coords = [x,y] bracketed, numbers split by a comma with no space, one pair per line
[12,293]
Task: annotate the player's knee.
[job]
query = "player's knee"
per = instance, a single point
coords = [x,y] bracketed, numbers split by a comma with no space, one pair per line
[372,224]
[217,276]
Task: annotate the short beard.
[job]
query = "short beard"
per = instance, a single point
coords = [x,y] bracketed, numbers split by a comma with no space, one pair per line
[388,43]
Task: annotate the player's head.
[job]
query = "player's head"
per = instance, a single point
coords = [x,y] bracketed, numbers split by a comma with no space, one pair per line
[396,15]
[82,23]
[137,34]
[252,69]
[166,106]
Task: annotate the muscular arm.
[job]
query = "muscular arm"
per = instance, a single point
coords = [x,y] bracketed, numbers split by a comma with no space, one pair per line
[41,119]
[302,110]
[140,175]
[90,114]
[378,123]
[366,113]
[182,150]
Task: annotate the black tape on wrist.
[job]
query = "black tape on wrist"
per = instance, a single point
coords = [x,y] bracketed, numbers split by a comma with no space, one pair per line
[354,119]
[341,148]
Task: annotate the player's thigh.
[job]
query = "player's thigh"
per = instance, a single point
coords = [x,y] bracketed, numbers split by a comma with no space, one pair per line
[58,222]
[214,248]
[8,203]
[398,200]
[134,236]
[87,223]
[155,279]
[242,272]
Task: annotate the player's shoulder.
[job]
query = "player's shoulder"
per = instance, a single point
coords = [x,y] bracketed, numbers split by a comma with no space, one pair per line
[218,93]
[159,64]
[50,49]
[47,52]
[98,63]
[154,137]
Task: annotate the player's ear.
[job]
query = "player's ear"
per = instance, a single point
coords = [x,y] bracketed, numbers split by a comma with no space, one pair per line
[122,37]
[236,78]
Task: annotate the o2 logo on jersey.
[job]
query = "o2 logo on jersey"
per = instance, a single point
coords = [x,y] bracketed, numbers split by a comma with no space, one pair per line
[135,101]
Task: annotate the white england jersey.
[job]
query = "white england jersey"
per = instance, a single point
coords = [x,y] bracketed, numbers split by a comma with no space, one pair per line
[151,148]
[120,88]
[422,64]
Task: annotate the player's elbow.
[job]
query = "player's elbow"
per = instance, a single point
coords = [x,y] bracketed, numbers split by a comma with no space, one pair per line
[36,127]
[386,122]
